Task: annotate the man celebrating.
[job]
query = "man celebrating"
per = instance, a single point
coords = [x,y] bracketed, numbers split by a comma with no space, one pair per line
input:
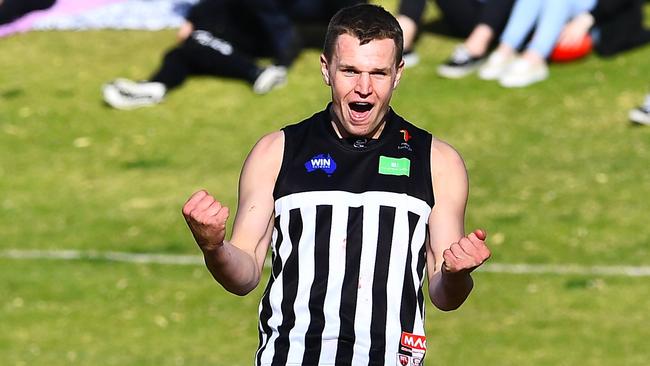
[357,205]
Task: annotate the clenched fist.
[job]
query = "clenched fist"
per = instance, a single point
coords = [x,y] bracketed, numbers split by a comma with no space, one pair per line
[467,254]
[206,218]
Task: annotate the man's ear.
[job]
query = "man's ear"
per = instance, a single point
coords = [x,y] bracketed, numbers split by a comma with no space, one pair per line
[398,75]
[324,70]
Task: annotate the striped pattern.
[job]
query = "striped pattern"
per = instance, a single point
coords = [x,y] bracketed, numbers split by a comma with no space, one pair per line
[355,253]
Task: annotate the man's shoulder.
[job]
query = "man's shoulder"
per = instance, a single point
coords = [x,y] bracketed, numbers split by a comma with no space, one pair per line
[269,145]
[307,128]
[443,148]
[445,159]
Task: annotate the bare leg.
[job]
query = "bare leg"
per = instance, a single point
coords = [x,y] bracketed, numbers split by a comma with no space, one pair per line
[505,50]
[409,29]
[533,57]
[479,40]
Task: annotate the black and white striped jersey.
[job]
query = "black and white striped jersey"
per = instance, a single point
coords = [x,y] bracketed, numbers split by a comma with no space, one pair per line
[348,249]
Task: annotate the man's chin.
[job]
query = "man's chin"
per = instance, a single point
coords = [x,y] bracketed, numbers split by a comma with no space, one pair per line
[358,128]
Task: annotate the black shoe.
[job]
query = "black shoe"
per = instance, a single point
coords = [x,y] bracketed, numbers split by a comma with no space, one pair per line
[460,64]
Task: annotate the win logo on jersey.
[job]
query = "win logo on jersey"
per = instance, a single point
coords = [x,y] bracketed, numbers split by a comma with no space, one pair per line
[321,162]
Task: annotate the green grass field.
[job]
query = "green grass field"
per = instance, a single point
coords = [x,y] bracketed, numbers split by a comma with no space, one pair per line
[558,176]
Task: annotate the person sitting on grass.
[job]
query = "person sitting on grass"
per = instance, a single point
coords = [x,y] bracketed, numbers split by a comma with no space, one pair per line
[547,18]
[614,26]
[479,21]
[225,38]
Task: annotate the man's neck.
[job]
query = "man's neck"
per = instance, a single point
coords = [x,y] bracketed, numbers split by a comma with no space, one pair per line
[343,134]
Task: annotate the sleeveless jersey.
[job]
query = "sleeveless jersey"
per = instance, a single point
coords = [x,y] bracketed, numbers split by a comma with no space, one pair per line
[348,248]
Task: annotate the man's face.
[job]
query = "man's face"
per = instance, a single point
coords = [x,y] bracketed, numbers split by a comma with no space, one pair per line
[362,78]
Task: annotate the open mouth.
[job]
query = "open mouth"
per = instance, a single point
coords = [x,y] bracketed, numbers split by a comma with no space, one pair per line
[360,110]
[360,107]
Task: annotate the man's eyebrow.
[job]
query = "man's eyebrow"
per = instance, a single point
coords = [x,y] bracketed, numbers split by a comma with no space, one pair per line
[346,66]
[374,70]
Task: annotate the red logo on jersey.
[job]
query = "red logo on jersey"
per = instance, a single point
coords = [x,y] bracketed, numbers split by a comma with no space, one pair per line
[403,360]
[414,341]
[407,135]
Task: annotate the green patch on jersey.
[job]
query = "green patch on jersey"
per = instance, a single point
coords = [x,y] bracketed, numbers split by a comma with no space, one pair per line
[394,166]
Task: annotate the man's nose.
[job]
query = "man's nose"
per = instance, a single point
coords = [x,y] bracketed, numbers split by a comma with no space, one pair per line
[364,84]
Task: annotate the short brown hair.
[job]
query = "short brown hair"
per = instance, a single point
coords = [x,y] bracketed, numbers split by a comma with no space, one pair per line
[366,22]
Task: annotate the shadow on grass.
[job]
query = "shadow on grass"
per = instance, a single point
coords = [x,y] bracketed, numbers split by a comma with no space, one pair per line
[12,93]
[145,164]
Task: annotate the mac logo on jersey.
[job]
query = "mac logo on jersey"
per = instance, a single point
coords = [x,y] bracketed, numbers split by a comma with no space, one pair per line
[321,162]
[414,342]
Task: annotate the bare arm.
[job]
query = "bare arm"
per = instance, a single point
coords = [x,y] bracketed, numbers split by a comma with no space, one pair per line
[237,264]
[451,255]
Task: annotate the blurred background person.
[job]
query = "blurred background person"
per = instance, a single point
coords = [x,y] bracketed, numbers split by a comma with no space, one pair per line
[225,38]
[614,26]
[546,19]
[11,10]
[478,21]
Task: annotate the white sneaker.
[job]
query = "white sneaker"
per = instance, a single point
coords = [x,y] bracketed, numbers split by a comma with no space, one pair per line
[522,73]
[411,58]
[126,94]
[496,64]
[270,78]
[641,114]
[153,89]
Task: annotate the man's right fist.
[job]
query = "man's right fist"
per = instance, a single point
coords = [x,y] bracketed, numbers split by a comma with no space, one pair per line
[206,218]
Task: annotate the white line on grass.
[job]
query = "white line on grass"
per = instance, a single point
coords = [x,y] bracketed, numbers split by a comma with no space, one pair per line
[144,258]
[630,271]
[177,259]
